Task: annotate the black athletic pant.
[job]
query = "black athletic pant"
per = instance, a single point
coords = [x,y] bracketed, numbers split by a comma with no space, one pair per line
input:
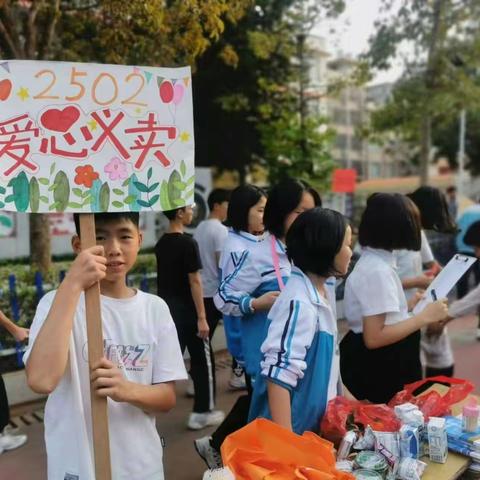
[4,410]
[435,372]
[236,418]
[201,367]
[213,317]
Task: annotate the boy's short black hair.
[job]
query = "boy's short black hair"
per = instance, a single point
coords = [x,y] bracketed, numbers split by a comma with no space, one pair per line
[283,198]
[242,199]
[390,222]
[451,189]
[172,214]
[314,239]
[472,235]
[109,217]
[433,207]
[218,195]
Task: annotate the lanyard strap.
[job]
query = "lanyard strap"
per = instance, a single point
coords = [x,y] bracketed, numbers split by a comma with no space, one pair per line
[276,261]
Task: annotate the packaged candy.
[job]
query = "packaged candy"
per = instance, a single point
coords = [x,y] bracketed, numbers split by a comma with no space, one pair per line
[387,444]
[344,466]
[365,474]
[367,442]
[346,445]
[409,438]
[410,469]
[372,461]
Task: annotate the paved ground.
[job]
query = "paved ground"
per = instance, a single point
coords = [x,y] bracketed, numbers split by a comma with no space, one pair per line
[180,459]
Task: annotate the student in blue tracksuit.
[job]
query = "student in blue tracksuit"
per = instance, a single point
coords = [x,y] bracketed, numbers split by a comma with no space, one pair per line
[245,221]
[262,271]
[300,367]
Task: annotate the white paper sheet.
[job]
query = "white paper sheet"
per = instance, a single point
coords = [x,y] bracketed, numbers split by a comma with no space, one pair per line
[445,280]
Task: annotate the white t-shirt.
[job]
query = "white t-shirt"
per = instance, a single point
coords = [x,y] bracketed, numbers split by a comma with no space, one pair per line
[210,236]
[374,288]
[141,338]
[410,263]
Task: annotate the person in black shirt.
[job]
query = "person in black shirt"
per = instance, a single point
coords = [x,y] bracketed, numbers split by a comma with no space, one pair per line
[180,285]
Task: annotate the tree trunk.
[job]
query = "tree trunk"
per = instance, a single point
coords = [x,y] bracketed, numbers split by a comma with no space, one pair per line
[437,39]
[40,257]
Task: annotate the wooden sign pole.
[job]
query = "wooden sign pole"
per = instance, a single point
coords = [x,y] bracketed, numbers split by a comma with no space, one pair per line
[101,443]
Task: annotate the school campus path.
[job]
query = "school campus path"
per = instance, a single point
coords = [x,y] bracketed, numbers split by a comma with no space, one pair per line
[180,459]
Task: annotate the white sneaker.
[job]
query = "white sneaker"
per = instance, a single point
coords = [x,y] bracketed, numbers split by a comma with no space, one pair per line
[11,442]
[210,455]
[236,382]
[197,421]
[218,474]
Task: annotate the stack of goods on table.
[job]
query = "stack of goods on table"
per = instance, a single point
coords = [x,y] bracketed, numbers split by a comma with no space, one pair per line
[384,442]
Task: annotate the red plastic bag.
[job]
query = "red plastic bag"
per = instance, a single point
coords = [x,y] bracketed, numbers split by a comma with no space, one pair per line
[432,404]
[343,415]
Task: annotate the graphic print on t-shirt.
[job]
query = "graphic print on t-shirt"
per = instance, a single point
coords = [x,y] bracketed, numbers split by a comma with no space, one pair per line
[132,358]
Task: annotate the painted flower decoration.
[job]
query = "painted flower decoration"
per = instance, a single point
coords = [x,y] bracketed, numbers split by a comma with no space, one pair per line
[116,169]
[85,176]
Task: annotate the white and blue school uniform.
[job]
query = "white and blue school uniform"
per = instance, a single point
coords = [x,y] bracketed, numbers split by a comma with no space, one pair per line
[254,275]
[300,353]
[374,288]
[235,244]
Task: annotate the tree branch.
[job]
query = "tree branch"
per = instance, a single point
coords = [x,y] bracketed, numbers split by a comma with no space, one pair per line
[10,27]
[31,29]
[6,42]
[50,30]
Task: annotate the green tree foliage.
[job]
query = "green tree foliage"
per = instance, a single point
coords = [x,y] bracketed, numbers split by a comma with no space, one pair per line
[258,79]
[435,83]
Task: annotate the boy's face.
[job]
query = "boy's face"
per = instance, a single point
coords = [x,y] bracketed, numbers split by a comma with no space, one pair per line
[222,209]
[186,215]
[122,241]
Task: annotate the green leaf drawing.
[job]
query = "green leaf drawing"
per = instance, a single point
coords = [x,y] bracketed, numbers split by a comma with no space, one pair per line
[134,191]
[61,194]
[126,182]
[2,190]
[52,168]
[164,200]
[117,204]
[117,191]
[6,221]
[189,194]
[75,205]
[87,201]
[178,202]
[21,192]
[180,185]
[153,187]
[9,199]
[43,199]
[130,199]
[141,186]
[150,173]
[191,180]
[143,203]
[2,204]
[34,195]
[52,187]
[43,181]
[53,206]
[104,198]
[183,168]
[154,200]
[173,191]
[78,192]
[95,196]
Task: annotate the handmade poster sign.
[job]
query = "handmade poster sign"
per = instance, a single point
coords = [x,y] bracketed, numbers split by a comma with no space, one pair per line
[94,138]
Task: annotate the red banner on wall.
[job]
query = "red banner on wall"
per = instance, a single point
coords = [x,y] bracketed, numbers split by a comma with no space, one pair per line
[344,180]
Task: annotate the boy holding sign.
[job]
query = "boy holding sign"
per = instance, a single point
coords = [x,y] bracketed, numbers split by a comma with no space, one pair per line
[137,374]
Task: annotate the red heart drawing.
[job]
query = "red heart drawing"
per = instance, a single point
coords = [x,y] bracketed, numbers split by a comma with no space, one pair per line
[60,120]
[5,89]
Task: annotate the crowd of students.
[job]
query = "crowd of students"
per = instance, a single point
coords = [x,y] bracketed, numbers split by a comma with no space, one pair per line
[272,276]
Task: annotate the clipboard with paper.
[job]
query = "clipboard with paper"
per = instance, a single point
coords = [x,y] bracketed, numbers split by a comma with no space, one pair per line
[445,280]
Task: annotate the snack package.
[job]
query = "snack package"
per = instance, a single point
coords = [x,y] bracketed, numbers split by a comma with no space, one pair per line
[410,469]
[371,461]
[344,466]
[346,445]
[364,474]
[387,444]
[367,442]
[409,439]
